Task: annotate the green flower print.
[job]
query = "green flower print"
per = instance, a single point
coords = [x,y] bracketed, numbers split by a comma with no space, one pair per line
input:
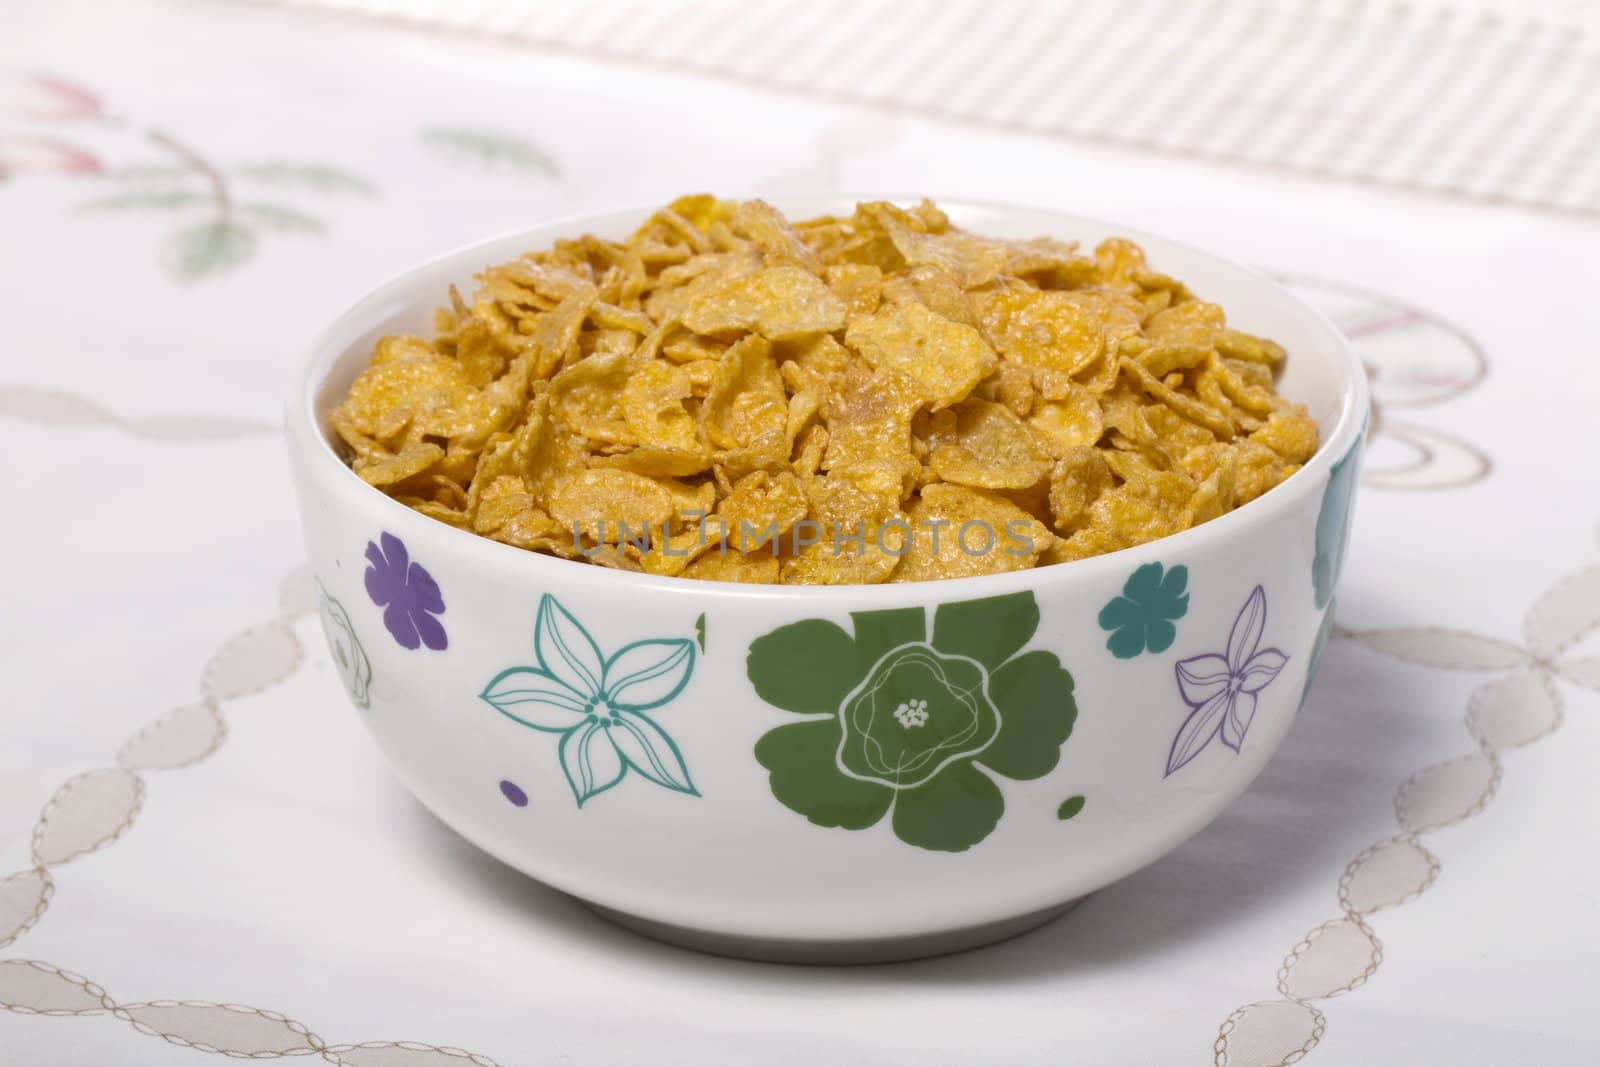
[914,714]
[1142,617]
[597,704]
[912,725]
[1333,525]
[355,670]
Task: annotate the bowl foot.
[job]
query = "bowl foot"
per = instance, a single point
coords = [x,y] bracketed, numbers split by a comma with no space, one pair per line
[878,950]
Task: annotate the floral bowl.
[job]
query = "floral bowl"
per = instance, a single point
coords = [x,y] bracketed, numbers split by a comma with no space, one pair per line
[831,773]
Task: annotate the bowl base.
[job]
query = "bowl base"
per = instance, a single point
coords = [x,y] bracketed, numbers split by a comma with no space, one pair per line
[877,950]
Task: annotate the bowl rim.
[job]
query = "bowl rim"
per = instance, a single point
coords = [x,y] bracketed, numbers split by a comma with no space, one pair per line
[306,437]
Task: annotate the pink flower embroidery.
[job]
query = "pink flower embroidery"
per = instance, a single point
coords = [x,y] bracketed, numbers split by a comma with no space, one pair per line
[46,98]
[43,155]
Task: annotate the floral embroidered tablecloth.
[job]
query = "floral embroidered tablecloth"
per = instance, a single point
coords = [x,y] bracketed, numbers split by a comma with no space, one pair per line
[201,853]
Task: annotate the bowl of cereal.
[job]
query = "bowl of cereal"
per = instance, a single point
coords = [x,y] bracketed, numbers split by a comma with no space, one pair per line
[845,582]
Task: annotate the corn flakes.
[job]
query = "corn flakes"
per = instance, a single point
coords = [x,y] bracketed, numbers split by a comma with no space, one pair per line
[729,395]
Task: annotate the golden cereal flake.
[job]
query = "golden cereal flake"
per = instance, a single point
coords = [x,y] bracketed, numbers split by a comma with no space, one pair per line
[841,541]
[858,286]
[759,567]
[412,460]
[1069,421]
[776,302]
[1291,434]
[1077,481]
[1044,330]
[779,244]
[945,359]
[605,504]
[762,508]
[992,449]
[746,400]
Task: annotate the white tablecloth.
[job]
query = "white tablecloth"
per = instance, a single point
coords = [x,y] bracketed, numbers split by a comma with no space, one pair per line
[223,859]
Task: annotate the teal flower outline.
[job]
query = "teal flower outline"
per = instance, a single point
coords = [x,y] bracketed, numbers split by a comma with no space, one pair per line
[1333,525]
[597,704]
[1143,616]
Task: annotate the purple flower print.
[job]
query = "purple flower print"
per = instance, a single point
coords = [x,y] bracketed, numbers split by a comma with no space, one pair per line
[407,594]
[1221,689]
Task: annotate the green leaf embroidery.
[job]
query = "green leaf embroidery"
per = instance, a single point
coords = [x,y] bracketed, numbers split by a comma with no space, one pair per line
[162,200]
[489,148]
[208,249]
[280,218]
[1069,807]
[230,236]
[151,172]
[314,176]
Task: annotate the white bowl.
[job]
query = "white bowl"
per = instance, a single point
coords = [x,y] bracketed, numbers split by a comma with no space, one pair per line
[974,834]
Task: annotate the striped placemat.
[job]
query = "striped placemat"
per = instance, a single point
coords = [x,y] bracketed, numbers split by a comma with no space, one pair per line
[1476,98]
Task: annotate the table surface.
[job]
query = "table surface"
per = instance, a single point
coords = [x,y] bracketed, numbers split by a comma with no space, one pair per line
[199,844]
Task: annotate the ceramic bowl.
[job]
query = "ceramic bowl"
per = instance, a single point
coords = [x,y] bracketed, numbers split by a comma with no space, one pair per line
[831,773]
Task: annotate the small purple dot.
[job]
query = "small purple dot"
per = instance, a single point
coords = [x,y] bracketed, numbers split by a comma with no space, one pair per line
[514,793]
